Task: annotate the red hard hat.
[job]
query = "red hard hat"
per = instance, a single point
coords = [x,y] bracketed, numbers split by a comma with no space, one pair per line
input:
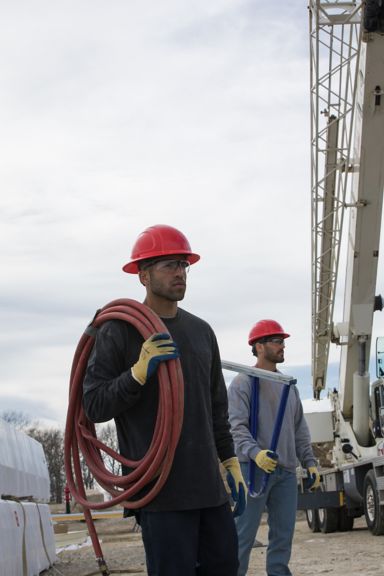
[156,241]
[265,328]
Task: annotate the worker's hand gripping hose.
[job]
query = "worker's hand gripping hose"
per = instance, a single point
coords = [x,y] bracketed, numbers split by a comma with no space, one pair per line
[157,348]
[80,433]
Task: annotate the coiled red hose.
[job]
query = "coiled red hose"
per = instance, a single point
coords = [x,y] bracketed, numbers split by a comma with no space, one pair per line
[80,433]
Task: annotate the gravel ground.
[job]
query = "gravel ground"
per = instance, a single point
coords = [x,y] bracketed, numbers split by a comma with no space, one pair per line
[355,553]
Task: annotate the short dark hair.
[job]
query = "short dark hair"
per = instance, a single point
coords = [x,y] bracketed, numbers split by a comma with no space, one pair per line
[144,264]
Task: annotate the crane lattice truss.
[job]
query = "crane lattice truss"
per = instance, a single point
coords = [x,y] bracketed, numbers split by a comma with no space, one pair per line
[335,29]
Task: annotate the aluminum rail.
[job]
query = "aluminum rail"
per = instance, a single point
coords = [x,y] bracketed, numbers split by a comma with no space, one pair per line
[258,372]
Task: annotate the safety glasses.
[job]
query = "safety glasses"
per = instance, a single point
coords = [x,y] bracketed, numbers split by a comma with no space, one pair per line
[169,265]
[275,340]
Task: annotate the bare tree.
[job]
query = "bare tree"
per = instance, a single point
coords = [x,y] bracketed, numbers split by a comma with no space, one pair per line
[20,420]
[108,436]
[52,440]
[106,433]
[88,479]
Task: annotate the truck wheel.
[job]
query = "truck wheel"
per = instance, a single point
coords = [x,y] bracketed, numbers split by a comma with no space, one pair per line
[313,520]
[345,522]
[328,520]
[374,513]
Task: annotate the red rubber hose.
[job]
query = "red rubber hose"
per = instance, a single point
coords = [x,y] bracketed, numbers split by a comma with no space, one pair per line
[80,433]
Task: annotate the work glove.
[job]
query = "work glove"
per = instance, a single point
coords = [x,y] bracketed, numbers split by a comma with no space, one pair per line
[157,348]
[267,460]
[236,484]
[313,481]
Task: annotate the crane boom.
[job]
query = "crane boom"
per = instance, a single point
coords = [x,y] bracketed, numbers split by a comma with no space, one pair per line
[347,110]
[347,142]
[365,218]
[334,53]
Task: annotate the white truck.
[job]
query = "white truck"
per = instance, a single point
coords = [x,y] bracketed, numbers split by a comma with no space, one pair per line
[347,161]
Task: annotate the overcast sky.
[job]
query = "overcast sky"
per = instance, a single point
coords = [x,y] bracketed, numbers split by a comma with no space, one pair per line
[117,115]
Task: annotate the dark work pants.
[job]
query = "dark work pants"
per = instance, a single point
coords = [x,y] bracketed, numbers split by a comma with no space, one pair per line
[190,542]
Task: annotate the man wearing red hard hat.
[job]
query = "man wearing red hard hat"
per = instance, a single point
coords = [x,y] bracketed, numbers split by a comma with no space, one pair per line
[188,527]
[267,339]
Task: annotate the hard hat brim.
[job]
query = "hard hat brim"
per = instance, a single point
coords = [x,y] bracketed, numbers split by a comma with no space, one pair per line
[133,266]
[281,334]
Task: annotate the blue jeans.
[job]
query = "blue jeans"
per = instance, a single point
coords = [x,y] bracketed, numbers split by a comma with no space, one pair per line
[280,501]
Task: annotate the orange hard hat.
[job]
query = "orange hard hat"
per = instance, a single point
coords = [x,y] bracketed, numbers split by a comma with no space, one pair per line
[156,241]
[265,328]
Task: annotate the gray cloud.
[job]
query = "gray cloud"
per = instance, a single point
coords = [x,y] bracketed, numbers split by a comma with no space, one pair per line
[122,115]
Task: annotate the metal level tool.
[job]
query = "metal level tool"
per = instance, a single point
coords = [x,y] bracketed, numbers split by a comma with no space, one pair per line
[256,374]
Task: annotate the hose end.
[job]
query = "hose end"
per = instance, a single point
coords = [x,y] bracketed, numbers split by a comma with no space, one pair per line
[103,567]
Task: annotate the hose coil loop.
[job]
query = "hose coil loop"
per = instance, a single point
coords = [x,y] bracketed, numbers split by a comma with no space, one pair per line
[80,434]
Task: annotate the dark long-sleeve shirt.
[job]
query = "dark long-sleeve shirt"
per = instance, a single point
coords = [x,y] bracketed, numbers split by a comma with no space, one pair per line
[110,391]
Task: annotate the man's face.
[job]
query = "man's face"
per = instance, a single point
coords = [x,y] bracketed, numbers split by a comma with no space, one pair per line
[167,278]
[274,349]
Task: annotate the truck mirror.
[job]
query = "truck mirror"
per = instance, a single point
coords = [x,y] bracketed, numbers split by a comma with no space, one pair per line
[380,357]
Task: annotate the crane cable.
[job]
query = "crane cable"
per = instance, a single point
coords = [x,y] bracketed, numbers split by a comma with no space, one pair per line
[80,433]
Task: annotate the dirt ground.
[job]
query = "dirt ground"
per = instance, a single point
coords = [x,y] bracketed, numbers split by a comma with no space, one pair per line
[355,553]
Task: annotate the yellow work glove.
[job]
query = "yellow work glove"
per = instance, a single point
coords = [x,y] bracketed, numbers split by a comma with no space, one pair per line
[314,478]
[157,348]
[236,484]
[266,460]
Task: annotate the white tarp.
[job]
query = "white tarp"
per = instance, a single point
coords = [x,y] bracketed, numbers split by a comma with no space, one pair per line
[23,468]
[27,542]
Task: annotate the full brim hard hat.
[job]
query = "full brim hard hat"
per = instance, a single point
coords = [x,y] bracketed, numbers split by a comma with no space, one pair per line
[265,328]
[159,241]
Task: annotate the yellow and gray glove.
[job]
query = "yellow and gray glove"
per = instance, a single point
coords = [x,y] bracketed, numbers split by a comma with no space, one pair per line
[157,348]
[266,460]
[313,482]
[236,484]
